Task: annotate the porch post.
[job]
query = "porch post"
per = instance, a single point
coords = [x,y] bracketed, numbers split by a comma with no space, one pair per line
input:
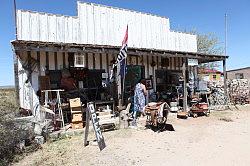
[15,59]
[225,79]
[184,86]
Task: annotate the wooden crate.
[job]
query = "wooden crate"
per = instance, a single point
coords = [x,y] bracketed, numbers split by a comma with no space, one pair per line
[77,125]
[75,105]
[76,117]
[75,102]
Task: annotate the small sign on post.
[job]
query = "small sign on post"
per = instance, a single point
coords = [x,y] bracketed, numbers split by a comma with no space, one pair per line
[192,62]
[99,137]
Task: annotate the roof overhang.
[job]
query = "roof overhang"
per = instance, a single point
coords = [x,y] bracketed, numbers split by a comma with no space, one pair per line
[21,45]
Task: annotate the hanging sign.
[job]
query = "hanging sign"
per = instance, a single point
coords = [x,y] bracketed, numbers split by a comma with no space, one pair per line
[192,62]
[99,137]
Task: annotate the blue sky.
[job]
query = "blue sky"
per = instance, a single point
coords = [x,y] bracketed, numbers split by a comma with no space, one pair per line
[204,16]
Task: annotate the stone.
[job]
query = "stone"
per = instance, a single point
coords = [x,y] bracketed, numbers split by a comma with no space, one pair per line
[39,140]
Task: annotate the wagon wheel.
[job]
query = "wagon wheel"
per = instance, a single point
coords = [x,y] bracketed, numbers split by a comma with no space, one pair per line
[195,115]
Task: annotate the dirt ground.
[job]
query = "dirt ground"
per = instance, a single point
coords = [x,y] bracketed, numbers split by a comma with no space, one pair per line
[221,139]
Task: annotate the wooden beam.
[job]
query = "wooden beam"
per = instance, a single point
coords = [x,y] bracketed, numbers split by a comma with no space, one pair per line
[55,59]
[184,85]
[47,60]
[38,62]
[115,50]
[64,60]
[100,60]
[15,57]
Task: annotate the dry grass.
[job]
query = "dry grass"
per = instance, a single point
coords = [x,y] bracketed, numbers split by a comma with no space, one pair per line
[8,104]
[10,134]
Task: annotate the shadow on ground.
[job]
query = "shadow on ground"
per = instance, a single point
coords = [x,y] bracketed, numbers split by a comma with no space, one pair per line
[161,127]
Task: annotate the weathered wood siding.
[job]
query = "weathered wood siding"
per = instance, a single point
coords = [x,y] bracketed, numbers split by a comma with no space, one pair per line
[103,25]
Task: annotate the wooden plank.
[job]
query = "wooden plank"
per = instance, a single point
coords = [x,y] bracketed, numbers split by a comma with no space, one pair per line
[107,62]
[142,60]
[97,58]
[86,60]
[47,61]
[104,62]
[100,56]
[60,60]
[55,60]
[94,60]
[51,61]
[64,60]
[169,63]
[90,60]
[157,62]
[150,68]
[147,67]
[29,67]
[67,60]
[38,62]
[15,57]
[172,64]
[42,62]
[175,63]
[34,72]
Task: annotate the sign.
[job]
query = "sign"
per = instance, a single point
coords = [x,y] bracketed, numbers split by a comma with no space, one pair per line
[99,137]
[105,75]
[192,62]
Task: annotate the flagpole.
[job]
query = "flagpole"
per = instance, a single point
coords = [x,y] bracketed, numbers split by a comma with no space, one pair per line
[15,17]
[123,82]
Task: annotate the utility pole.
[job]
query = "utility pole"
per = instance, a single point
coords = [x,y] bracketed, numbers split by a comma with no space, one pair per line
[225,34]
[224,62]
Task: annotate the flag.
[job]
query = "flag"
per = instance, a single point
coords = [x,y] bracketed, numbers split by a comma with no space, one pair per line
[121,57]
[123,51]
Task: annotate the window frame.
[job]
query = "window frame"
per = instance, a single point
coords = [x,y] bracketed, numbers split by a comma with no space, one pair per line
[77,60]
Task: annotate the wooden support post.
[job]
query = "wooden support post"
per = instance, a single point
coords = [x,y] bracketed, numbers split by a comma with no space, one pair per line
[184,86]
[225,79]
[15,59]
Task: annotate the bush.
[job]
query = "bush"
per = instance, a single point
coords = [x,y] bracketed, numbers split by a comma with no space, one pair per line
[11,132]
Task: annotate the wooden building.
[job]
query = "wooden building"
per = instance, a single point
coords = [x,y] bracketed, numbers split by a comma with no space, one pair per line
[47,44]
[241,73]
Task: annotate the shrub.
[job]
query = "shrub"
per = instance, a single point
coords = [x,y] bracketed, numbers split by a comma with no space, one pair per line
[11,132]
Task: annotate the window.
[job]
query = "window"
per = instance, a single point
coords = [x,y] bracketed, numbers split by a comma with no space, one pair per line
[79,60]
[239,76]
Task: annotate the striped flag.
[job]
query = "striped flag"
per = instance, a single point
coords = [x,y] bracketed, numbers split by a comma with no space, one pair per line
[123,52]
[120,61]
